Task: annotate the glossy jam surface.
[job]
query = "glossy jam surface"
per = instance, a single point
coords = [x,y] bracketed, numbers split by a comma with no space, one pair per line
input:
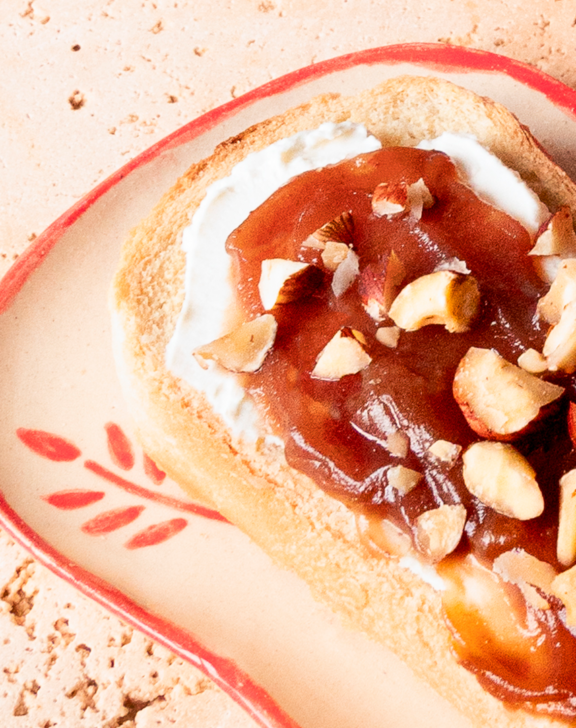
[335,430]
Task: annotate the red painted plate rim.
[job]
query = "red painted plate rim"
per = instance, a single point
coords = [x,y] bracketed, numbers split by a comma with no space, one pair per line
[447,58]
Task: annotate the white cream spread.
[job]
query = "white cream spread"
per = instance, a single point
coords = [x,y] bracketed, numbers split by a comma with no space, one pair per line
[491,180]
[209,294]
[228,203]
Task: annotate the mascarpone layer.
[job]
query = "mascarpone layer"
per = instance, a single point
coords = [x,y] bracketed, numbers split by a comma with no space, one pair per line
[492,181]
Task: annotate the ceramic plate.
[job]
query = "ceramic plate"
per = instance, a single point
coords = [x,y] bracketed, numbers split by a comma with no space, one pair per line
[80,494]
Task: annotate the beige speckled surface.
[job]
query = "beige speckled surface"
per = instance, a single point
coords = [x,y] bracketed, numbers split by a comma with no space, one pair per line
[67,663]
[84,88]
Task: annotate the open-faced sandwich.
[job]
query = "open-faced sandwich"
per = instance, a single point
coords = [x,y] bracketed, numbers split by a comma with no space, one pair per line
[352,330]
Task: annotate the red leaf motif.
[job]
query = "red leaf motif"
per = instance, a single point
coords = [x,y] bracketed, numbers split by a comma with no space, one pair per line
[156,534]
[47,445]
[69,500]
[111,520]
[119,447]
[153,471]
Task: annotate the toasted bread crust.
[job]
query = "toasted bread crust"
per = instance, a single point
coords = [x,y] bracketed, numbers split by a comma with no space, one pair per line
[283,511]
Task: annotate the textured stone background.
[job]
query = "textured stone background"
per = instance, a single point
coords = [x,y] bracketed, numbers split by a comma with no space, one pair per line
[84,87]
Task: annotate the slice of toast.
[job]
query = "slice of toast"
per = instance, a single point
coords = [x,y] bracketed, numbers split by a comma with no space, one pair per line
[282,510]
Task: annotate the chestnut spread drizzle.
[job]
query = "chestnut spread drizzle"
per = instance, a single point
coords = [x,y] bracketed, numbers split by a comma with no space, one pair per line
[334,430]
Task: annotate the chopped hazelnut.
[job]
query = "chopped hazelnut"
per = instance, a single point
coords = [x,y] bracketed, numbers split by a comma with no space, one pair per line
[454,264]
[447,452]
[564,587]
[566,544]
[379,283]
[393,198]
[499,476]
[283,281]
[561,293]
[560,345]
[388,335]
[526,572]
[241,350]
[334,254]
[500,400]
[345,273]
[556,236]
[547,267]
[343,354]
[398,444]
[390,198]
[446,298]
[438,531]
[419,198]
[532,361]
[339,230]
[403,479]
